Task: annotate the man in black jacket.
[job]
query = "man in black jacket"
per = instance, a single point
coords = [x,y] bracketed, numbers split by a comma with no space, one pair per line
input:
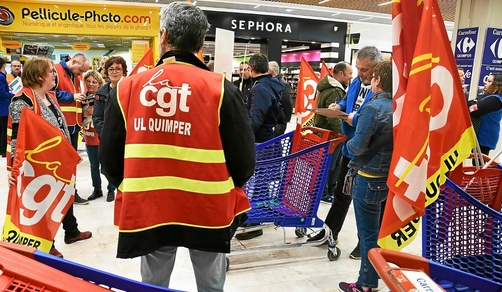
[245,82]
[286,103]
[173,189]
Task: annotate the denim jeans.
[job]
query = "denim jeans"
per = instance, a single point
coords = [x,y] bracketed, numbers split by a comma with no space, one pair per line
[92,153]
[368,194]
[209,268]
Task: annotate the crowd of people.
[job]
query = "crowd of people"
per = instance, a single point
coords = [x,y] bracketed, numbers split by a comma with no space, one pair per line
[162,203]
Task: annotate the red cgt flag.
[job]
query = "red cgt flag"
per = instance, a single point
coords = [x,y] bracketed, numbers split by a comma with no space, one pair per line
[437,134]
[145,63]
[45,165]
[324,70]
[305,94]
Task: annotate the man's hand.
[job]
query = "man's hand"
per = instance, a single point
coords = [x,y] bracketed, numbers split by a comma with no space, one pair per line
[78,97]
[334,106]
[348,119]
[11,179]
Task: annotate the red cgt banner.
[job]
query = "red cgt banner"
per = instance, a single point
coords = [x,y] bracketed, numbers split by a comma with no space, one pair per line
[45,167]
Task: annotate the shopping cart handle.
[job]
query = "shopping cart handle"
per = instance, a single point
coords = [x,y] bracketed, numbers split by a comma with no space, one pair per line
[380,258]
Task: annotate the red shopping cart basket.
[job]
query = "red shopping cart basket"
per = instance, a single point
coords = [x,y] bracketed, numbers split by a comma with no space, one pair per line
[27,269]
[414,273]
[286,190]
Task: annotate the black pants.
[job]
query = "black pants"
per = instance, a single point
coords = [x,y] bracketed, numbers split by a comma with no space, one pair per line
[70,225]
[279,129]
[341,202]
[3,135]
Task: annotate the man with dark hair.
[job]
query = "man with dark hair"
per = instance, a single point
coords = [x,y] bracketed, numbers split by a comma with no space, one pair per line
[331,90]
[183,170]
[245,82]
[15,66]
[263,108]
[286,103]
[263,102]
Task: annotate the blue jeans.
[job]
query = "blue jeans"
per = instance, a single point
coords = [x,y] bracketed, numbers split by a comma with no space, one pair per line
[209,268]
[368,194]
[92,153]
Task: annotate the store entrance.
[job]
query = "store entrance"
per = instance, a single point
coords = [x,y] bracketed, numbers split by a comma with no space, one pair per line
[59,47]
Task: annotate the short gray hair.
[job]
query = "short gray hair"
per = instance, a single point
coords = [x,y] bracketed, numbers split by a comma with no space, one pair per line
[372,53]
[186,26]
[272,65]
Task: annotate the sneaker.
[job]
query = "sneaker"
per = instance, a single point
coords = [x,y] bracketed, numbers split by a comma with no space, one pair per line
[249,235]
[110,196]
[79,200]
[318,237]
[82,236]
[55,252]
[356,253]
[95,194]
[352,287]
[327,199]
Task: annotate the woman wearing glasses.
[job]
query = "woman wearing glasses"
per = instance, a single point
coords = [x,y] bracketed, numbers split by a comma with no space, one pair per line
[38,80]
[115,68]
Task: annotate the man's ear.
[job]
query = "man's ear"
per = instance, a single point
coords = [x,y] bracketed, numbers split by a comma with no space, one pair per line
[164,37]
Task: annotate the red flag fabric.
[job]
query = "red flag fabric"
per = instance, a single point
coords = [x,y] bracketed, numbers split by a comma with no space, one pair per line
[305,95]
[324,70]
[145,63]
[45,165]
[437,134]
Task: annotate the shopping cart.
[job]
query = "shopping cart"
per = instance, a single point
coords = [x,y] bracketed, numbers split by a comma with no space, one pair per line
[289,178]
[463,230]
[414,273]
[27,269]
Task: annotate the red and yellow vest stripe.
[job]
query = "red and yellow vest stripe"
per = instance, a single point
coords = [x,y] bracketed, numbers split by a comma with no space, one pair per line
[72,111]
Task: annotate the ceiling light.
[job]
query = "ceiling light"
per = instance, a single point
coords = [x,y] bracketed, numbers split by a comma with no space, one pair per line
[323,1]
[313,42]
[299,48]
[367,18]
[256,6]
[100,45]
[289,10]
[286,41]
[385,3]
[252,38]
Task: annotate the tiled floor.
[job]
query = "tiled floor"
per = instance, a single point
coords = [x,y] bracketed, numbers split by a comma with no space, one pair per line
[268,269]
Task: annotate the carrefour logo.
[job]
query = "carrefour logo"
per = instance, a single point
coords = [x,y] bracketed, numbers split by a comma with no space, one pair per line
[496,49]
[465,45]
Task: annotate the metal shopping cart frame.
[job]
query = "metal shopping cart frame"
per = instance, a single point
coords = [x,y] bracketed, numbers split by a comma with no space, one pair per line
[290,175]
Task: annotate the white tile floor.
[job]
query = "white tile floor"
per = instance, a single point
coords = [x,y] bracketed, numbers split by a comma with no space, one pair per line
[278,269]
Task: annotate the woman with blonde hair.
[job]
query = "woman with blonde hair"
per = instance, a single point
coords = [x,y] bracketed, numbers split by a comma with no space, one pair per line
[93,81]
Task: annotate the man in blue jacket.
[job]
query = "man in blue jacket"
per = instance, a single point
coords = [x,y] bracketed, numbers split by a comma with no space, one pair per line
[358,94]
[263,109]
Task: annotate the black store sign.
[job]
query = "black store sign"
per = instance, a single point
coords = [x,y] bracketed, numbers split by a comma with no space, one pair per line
[277,27]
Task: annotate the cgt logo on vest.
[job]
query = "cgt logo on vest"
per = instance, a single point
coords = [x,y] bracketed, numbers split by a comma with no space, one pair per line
[168,100]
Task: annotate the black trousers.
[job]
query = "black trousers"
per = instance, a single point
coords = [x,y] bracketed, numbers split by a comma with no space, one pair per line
[70,225]
[341,202]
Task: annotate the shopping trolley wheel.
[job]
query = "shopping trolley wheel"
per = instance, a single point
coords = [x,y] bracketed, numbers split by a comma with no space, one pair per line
[228,264]
[333,256]
[300,231]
